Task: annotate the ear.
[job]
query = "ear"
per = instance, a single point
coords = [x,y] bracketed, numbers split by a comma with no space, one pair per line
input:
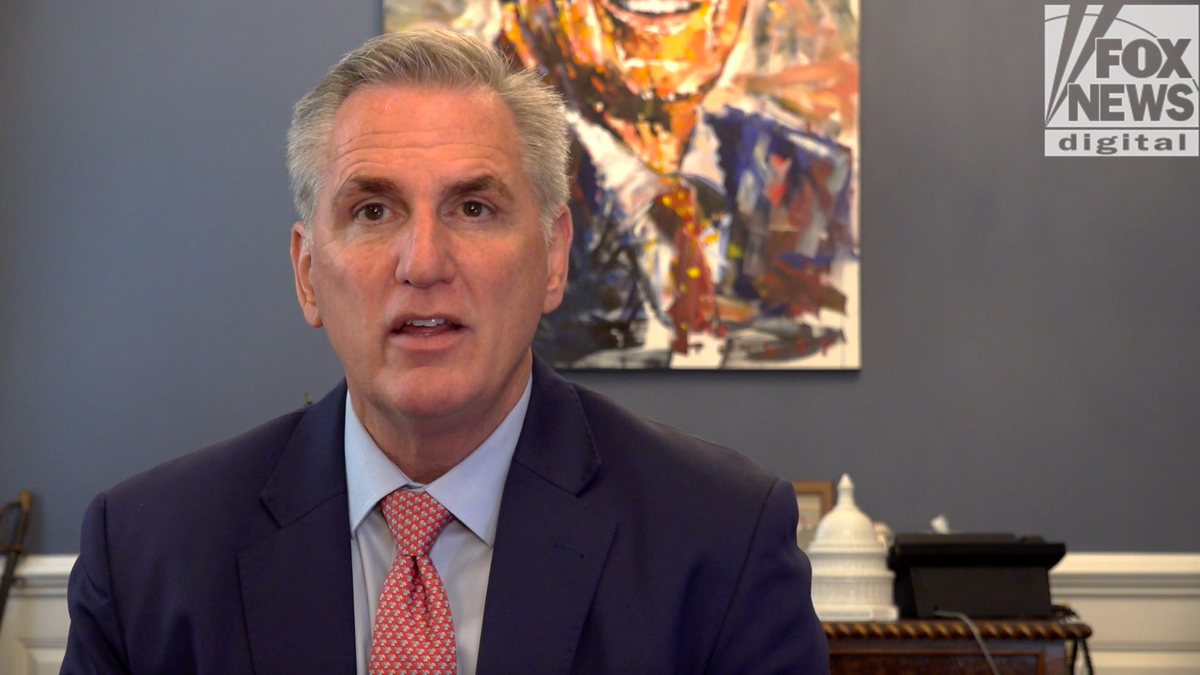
[558,253]
[302,268]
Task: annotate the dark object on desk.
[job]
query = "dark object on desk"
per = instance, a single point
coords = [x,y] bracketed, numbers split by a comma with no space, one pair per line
[980,575]
[14,547]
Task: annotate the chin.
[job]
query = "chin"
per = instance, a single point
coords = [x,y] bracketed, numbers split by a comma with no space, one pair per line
[414,398]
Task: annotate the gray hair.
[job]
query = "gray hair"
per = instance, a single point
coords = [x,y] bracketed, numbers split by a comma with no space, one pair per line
[439,58]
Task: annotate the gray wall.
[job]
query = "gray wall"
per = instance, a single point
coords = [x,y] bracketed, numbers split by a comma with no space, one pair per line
[1030,325]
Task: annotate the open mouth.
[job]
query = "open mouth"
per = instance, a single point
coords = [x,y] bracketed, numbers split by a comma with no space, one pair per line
[657,7]
[426,327]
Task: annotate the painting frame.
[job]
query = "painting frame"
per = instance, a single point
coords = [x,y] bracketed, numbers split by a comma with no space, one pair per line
[814,499]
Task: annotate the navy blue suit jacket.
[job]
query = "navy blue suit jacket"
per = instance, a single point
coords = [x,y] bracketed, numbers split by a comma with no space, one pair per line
[623,546]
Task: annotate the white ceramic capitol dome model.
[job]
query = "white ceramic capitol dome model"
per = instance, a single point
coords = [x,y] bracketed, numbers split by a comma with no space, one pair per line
[851,581]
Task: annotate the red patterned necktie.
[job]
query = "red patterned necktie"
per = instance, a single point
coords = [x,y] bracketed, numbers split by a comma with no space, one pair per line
[413,632]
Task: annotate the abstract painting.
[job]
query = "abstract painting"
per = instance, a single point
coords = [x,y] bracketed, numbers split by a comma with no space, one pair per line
[714,168]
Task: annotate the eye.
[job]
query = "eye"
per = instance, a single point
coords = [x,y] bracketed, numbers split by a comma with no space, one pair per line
[475,209]
[372,212]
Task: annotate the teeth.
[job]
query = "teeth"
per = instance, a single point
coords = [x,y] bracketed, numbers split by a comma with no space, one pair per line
[427,323]
[658,6]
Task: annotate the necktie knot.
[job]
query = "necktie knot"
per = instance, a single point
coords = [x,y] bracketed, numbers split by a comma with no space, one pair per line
[413,631]
[416,519]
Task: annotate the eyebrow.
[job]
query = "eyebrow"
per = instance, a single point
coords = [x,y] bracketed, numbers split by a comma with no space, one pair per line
[476,185]
[365,185]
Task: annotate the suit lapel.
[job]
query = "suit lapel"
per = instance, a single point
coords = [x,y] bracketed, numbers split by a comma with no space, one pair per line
[550,548]
[297,589]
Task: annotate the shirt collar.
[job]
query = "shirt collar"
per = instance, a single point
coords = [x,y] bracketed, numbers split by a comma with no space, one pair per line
[470,491]
[632,182]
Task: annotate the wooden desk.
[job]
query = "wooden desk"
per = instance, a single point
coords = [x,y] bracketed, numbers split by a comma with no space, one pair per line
[946,647]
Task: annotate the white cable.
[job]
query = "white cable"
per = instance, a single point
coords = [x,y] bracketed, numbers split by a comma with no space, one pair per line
[974,631]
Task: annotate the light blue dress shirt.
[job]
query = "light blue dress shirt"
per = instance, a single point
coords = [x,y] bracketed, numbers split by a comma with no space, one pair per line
[462,554]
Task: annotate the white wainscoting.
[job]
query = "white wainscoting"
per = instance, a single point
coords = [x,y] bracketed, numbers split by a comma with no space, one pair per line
[33,637]
[1144,610]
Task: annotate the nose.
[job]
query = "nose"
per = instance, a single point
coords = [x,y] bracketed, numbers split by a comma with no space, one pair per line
[426,254]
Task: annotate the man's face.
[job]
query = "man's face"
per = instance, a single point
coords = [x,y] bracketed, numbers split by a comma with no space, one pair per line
[426,264]
[655,47]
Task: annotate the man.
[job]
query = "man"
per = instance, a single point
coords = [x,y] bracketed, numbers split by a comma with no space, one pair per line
[453,506]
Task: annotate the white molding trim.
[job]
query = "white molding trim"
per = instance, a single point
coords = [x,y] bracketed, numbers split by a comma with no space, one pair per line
[1144,609]
[1115,574]
[42,575]
[33,636]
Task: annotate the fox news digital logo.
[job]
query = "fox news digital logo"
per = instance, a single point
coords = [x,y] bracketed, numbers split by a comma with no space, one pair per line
[1121,80]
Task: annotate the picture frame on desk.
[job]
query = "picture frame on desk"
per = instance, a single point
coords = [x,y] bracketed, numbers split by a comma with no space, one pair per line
[814,498]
